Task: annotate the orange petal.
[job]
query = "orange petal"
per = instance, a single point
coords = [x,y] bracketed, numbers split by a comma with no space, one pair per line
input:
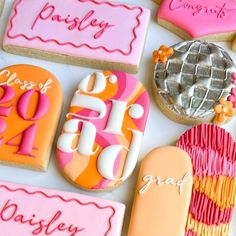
[163,47]
[230,112]
[218,109]
[155,60]
[222,101]
[221,118]
[229,104]
[170,52]
[155,53]
[163,58]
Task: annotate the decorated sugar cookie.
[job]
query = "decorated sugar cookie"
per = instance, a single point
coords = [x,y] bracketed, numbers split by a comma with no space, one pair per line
[79,32]
[195,82]
[199,19]
[213,154]
[31,100]
[102,135]
[29,211]
[163,194]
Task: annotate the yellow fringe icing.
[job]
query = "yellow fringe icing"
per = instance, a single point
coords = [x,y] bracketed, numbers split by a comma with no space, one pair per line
[221,190]
[201,229]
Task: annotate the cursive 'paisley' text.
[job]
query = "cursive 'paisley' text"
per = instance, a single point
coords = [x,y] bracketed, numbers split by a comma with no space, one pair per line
[88,20]
[9,212]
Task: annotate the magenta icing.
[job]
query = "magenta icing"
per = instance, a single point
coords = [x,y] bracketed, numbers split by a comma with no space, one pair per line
[200,17]
[208,141]
[7,96]
[29,211]
[85,28]
[207,212]
[232,97]
[190,233]
[41,109]
[65,158]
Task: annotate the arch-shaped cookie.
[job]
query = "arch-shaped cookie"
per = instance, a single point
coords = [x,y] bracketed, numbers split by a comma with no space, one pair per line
[163,194]
[30,106]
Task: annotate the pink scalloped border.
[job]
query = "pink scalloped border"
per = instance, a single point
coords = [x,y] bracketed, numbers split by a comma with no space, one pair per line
[64,200]
[84,44]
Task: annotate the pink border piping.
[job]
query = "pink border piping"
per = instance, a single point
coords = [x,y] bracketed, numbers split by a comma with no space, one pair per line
[84,44]
[64,200]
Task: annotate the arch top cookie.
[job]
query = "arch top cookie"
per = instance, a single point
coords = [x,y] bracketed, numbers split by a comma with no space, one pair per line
[163,194]
[195,82]
[101,137]
[205,19]
[30,106]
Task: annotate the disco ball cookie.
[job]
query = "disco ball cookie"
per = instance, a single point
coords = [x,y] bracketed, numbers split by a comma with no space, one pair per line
[102,135]
[199,19]
[195,82]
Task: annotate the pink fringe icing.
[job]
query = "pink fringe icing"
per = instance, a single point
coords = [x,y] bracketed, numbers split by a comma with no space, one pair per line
[212,149]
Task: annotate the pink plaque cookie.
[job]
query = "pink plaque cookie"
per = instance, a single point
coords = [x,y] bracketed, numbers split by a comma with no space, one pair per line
[30,211]
[85,32]
[205,19]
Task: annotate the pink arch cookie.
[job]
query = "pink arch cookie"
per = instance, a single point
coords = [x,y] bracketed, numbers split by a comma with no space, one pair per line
[102,135]
[211,20]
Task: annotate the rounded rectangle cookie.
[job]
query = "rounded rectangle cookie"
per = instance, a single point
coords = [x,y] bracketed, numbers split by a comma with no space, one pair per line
[30,106]
[102,135]
[163,194]
[28,211]
[87,32]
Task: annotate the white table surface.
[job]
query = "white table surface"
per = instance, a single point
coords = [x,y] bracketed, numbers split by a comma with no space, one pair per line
[160,131]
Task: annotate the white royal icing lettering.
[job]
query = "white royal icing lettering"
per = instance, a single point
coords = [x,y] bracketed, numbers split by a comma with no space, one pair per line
[150,179]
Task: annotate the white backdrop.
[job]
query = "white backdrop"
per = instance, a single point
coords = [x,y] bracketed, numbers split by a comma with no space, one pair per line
[160,131]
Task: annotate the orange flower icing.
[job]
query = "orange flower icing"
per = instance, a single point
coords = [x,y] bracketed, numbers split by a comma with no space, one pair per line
[224,109]
[162,54]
